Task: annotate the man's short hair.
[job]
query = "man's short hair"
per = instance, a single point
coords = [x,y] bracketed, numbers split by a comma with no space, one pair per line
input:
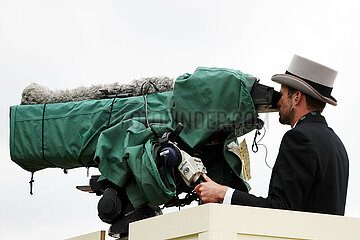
[312,103]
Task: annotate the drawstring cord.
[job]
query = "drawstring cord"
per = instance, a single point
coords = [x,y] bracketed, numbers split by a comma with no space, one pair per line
[31,183]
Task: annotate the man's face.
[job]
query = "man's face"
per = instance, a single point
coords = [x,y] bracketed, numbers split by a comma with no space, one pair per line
[285,106]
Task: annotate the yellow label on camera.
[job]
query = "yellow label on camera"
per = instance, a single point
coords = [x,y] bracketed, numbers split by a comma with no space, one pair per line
[242,152]
[245,159]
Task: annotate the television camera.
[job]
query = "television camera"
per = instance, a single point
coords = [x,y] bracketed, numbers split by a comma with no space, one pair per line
[186,165]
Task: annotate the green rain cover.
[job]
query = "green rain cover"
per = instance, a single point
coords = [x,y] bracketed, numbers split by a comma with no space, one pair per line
[114,134]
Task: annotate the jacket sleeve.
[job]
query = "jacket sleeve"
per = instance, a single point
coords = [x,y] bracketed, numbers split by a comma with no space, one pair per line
[292,177]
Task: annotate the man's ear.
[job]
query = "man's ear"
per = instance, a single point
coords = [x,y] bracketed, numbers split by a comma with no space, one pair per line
[298,97]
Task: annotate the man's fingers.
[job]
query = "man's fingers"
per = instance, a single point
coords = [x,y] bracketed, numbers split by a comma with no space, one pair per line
[206,178]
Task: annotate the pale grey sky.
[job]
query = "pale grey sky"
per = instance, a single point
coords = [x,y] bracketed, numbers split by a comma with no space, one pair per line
[65,44]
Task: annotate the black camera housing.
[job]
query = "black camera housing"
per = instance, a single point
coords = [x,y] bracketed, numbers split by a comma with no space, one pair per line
[265,98]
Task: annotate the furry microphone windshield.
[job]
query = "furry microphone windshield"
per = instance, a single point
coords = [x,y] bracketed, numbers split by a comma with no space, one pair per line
[37,94]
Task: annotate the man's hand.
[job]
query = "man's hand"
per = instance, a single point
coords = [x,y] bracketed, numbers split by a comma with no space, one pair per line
[210,191]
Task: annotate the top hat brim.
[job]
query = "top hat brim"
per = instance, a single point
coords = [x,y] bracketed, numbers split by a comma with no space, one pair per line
[301,85]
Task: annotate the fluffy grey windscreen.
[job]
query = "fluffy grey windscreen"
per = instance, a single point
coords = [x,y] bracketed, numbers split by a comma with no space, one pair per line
[37,94]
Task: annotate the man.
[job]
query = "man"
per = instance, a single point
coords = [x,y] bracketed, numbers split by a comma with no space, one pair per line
[311,169]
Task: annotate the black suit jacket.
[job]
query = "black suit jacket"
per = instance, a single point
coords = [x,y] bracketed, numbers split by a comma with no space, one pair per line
[310,173]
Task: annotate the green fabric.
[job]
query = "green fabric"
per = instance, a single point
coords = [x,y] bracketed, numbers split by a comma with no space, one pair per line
[69,134]
[124,158]
[71,130]
[112,134]
[212,98]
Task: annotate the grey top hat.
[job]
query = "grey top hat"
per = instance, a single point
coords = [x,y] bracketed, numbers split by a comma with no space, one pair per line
[309,77]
